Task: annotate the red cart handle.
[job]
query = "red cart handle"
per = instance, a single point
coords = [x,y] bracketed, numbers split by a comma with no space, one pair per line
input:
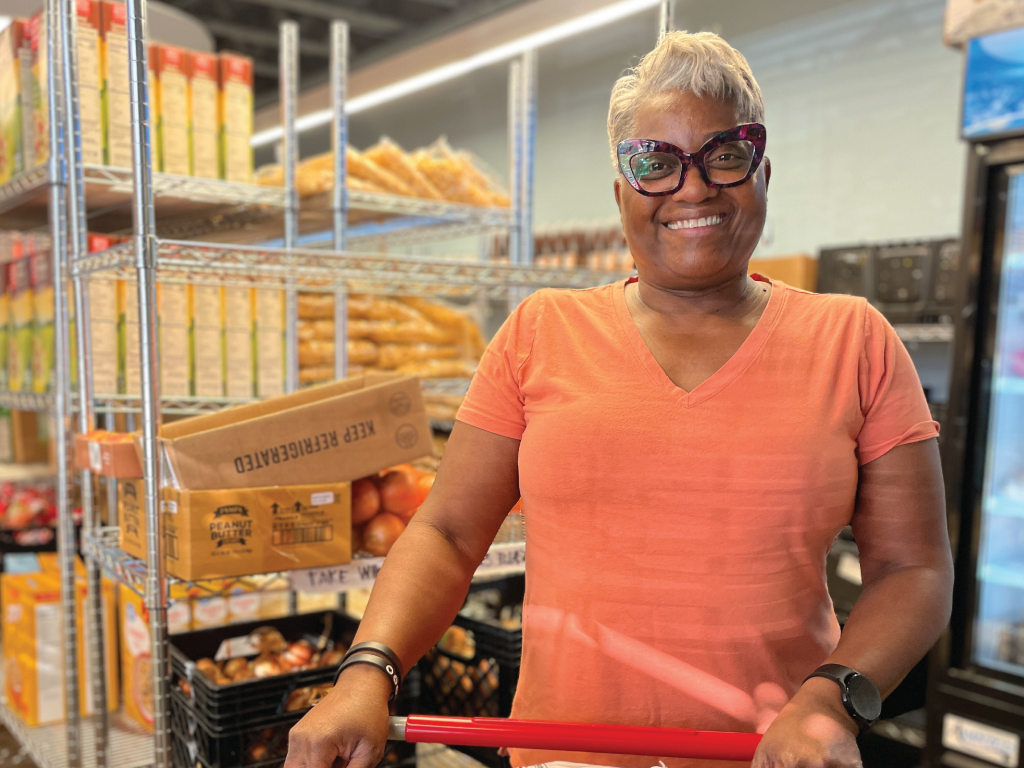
[575,737]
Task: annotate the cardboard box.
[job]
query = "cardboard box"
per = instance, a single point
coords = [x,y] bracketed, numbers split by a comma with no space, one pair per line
[171,67]
[179,616]
[89,80]
[12,157]
[207,340]
[238,342]
[114,97]
[40,89]
[43,360]
[236,117]
[800,271]
[103,315]
[136,658]
[30,437]
[205,119]
[131,516]
[111,454]
[216,534]
[209,612]
[130,375]
[173,323]
[20,333]
[268,312]
[340,431]
[243,607]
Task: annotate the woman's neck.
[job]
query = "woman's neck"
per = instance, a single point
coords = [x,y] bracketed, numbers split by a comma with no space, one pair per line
[734,298]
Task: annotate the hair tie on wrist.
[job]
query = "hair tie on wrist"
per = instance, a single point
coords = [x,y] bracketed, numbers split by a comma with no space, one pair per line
[381,650]
[382,664]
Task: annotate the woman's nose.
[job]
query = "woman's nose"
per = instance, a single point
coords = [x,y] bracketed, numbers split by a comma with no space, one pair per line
[694,190]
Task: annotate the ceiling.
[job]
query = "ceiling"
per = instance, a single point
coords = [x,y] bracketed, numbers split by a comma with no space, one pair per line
[377,28]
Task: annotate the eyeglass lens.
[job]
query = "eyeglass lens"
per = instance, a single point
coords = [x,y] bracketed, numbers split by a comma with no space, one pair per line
[661,171]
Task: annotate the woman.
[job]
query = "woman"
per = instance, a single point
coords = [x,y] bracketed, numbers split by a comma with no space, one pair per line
[687,445]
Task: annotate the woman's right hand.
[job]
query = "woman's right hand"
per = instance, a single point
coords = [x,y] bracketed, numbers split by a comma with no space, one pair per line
[348,728]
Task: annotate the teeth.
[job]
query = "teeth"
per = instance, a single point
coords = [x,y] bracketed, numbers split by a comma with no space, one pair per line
[710,221]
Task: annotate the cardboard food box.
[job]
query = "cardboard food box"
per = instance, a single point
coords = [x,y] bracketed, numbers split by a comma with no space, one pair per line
[116,114]
[130,373]
[340,431]
[238,342]
[170,68]
[209,612]
[131,516]
[268,312]
[12,158]
[216,534]
[111,454]
[43,360]
[236,116]
[30,437]
[40,89]
[19,341]
[136,658]
[89,80]
[103,313]
[173,324]
[179,616]
[205,121]
[207,341]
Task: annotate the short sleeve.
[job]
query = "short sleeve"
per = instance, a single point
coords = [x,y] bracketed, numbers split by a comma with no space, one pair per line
[891,397]
[495,400]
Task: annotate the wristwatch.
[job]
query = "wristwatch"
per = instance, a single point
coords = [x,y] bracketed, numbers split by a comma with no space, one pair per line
[860,695]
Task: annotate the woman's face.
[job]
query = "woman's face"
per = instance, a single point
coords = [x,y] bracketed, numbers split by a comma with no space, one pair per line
[696,257]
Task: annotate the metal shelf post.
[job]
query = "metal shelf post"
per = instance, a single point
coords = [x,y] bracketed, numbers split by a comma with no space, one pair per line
[289,65]
[665,21]
[339,198]
[143,217]
[93,614]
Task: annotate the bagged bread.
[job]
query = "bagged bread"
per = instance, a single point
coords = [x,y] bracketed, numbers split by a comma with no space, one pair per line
[316,175]
[388,155]
[445,170]
[317,352]
[463,330]
[316,306]
[390,309]
[360,167]
[316,375]
[270,175]
[422,332]
[316,329]
[395,355]
[438,369]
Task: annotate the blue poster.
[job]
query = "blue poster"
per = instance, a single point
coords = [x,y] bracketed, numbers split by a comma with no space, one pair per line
[994,85]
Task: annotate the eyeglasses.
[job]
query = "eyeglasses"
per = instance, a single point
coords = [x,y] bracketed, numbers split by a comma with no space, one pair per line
[655,168]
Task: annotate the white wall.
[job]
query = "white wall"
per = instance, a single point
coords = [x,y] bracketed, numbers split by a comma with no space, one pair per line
[862,108]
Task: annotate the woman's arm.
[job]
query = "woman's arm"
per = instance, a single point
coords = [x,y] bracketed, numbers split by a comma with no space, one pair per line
[900,525]
[419,591]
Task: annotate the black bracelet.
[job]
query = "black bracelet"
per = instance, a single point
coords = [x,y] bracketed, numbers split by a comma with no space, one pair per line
[381,664]
[381,650]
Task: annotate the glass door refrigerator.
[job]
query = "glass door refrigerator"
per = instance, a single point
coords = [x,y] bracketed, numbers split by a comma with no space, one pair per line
[976,683]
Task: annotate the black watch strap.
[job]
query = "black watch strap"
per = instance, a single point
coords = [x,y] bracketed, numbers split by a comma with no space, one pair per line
[374,660]
[381,650]
[860,696]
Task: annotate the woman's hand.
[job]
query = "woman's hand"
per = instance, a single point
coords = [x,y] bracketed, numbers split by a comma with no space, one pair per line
[349,727]
[812,731]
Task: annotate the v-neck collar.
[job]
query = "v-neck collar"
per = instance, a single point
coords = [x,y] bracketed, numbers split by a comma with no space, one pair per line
[721,378]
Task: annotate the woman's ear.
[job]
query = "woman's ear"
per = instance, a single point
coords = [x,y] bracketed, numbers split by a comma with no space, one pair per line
[618,194]
[767,173]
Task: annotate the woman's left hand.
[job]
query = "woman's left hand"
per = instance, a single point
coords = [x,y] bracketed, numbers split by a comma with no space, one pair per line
[812,731]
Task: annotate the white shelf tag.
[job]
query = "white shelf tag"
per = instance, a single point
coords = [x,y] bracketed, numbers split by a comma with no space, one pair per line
[992,744]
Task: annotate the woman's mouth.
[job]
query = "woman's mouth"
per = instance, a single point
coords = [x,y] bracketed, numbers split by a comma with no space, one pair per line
[696,223]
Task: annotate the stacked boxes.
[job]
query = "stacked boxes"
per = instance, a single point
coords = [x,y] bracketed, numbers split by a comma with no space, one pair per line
[12,156]
[268,313]
[103,326]
[206,340]
[20,327]
[89,30]
[205,121]
[117,138]
[236,117]
[170,68]
[42,290]
[173,326]
[238,342]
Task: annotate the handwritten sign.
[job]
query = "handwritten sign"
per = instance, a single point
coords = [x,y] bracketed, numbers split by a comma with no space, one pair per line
[500,560]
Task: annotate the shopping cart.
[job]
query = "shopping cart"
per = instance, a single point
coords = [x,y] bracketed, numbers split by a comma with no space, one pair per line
[574,737]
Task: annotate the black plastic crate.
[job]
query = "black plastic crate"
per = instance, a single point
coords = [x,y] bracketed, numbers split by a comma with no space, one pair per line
[196,741]
[258,701]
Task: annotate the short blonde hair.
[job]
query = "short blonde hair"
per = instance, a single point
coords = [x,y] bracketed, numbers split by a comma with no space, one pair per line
[700,63]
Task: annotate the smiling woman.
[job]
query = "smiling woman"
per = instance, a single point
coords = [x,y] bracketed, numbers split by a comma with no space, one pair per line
[687,445]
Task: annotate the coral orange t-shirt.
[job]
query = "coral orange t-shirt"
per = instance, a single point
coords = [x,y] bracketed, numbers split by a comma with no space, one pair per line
[676,542]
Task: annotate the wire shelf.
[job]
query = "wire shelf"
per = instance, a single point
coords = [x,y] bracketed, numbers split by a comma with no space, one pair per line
[26,401]
[925,332]
[327,271]
[129,745]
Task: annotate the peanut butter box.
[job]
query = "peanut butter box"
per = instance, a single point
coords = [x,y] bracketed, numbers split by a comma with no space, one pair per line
[114,96]
[218,534]
[171,68]
[88,17]
[205,95]
[236,116]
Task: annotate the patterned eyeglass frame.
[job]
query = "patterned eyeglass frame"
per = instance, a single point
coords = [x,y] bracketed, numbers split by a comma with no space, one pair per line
[755,133]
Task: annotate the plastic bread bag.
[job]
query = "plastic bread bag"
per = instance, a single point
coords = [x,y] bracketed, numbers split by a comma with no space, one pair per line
[439,369]
[316,375]
[444,169]
[269,175]
[390,309]
[361,167]
[388,155]
[316,175]
[316,306]
[476,171]
[390,332]
[319,330]
[463,329]
[395,355]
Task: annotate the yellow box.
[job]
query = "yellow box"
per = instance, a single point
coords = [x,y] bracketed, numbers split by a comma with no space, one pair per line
[208,612]
[40,106]
[207,340]
[205,96]
[136,658]
[89,80]
[130,375]
[245,606]
[173,322]
[236,117]
[131,516]
[33,670]
[117,125]
[179,616]
[12,157]
[268,311]
[103,333]
[170,67]
[20,335]
[41,277]
[239,341]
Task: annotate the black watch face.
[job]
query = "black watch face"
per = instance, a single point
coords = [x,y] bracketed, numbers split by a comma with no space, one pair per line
[864,697]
